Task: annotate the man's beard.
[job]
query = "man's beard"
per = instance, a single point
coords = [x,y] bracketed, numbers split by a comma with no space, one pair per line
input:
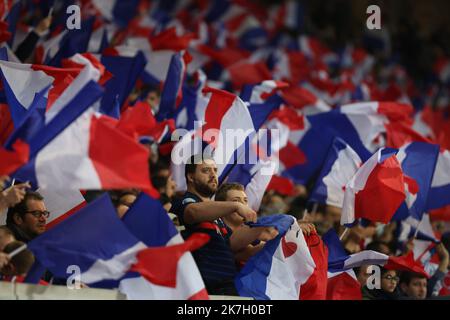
[204,189]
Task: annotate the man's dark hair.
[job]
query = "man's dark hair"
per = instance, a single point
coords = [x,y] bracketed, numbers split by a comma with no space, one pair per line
[407,276]
[21,208]
[221,194]
[159,182]
[192,163]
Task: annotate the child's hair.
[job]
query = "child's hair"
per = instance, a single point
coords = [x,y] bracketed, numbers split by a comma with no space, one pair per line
[21,261]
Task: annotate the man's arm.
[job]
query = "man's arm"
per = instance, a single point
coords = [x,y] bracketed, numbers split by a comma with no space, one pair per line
[212,210]
[244,235]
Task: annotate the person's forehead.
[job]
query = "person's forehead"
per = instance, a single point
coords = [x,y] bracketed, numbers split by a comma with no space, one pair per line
[391,272]
[207,163]
[35,204]
[236,194]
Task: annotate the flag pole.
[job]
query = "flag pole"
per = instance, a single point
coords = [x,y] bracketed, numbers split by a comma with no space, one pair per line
[343,233]
[417,229]
[17,251]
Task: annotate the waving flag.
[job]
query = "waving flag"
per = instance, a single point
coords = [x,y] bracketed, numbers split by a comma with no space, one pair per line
[362,125]
[117,11]
[171,94]
[21,83]
[342,285]
[340,166]
[139,120]
[376,191]
[125,71]
[104,252]
[74,152]
[281,267]
[339,261]
[73,42]
[418,162]
[194,102]
[256,175]
[261,92]
[150,223]
[107,252]
[304,100]
[32,121]
[316,286]
[440,186]
[227,125]
[306,148]
[61,204]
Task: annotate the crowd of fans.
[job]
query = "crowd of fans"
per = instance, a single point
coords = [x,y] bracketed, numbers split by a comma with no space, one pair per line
[222,210]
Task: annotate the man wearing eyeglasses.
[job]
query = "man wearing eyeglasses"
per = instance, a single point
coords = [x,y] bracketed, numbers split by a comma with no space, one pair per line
[28,218]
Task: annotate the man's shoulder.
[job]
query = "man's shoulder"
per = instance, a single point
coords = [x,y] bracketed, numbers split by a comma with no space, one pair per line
[178,205]
[189,197]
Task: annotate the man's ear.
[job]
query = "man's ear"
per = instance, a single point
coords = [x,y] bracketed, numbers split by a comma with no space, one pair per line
[190,178]
[17,219]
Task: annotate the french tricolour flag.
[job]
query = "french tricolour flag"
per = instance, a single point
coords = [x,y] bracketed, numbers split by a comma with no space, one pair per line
[259,93]
[284,264]
[74,151]
[149,222]
[225,114]
[340,166]
[440,186]
[306,148]
[24,82]
[339,261]
[171,94]
[106,252]
[61,204]
[418,162]
[376,191]
[362,125]
[304,100]
[342,284]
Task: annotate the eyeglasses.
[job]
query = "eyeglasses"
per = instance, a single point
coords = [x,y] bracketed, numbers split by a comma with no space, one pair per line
[38,214]
[391,278]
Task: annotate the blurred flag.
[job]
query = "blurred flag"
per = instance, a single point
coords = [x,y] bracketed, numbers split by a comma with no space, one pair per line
[279,270]
[376,191]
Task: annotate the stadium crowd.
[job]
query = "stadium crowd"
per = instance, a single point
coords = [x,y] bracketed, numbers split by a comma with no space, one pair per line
[323,50]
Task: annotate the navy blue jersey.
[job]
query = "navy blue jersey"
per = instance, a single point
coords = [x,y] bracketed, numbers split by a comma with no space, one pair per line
[215,260]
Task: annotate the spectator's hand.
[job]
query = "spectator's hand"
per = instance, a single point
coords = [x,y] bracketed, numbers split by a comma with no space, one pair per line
[4,259]
[443,257]
[409,245]
[44,25]
[306,227]
[246,212]
[267,233]
[15,194]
